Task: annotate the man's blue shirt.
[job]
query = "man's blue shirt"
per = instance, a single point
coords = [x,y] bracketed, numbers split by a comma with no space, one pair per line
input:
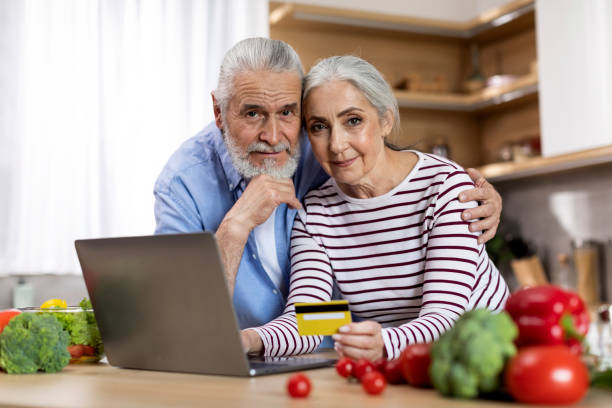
[195,190]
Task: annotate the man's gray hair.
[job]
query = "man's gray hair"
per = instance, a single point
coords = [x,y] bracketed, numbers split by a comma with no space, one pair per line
[361,74]
[254,54]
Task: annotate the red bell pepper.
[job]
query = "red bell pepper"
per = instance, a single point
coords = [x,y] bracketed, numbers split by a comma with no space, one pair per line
[548,314]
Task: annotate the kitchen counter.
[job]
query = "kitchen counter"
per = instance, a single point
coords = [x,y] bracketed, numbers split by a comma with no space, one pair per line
[101,385]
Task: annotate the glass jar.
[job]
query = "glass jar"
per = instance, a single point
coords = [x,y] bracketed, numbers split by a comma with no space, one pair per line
[85,341]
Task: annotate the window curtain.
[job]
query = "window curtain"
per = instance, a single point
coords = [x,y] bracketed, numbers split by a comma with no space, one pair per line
[95,95]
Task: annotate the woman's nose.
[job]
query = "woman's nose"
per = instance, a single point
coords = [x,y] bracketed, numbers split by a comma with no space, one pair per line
[337,142]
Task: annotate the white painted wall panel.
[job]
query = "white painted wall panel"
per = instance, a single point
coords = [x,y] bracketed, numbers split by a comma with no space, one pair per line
[574,40]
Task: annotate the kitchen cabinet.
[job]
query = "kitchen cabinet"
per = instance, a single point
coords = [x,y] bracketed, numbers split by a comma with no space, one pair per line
[575,40]
[475,126]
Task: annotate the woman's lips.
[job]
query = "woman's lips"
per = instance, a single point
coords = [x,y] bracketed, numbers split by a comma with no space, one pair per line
[344,163]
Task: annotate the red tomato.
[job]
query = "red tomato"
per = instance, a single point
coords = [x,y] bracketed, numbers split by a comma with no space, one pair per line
[362,367]
[415,361]
[89,350]
[379,365]
[6,316]
[76,350]
[546,375]
[344,367]
[393,372]
[373,382]
[298,386]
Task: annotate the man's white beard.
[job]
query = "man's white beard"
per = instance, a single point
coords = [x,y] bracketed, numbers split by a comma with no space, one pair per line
[248,170]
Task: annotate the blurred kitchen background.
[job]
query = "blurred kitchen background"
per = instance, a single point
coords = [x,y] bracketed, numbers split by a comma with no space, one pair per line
[96,95]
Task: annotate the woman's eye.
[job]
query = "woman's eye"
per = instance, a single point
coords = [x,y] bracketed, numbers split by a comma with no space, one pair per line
[317,127]
[354,121]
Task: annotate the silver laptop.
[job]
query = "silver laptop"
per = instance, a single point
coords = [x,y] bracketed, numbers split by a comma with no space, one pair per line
[162,303]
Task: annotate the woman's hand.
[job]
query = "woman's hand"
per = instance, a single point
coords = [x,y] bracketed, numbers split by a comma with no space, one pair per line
[488,210]
[251,342]
[360,340]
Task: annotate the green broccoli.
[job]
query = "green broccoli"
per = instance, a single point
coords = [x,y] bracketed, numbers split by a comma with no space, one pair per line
[470,357]
[32,342]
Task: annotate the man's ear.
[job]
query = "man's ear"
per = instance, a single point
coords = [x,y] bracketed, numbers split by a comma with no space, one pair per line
[217,111]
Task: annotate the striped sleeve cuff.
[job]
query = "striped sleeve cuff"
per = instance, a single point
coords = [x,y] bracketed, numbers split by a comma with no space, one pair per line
[265,339]
[390,349]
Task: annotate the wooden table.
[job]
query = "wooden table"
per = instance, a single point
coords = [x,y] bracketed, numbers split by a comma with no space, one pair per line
[100,385]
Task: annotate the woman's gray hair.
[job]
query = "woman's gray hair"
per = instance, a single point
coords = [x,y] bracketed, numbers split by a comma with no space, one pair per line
[363,75]
[254,54]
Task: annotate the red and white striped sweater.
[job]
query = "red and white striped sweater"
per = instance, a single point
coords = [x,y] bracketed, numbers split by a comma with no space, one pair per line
[405,259]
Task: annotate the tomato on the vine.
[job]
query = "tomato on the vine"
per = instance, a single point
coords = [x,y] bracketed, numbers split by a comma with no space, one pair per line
[415,361]
[362,367]
[298,385]
[373,382]
[546,375]
[344,366]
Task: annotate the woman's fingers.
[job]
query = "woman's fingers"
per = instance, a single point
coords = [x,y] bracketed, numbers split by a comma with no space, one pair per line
[360,340]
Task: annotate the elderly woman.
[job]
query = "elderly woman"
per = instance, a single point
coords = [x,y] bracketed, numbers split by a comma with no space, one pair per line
[386,228]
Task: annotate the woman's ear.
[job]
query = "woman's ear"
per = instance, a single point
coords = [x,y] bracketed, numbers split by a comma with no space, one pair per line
[387,123]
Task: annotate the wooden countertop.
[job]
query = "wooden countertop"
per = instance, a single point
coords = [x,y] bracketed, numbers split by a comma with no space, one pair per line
[100,385]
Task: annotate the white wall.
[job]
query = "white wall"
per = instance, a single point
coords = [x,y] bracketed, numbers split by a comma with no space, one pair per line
[575,68]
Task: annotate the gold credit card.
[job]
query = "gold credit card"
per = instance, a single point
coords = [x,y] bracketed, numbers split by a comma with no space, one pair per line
[321,318]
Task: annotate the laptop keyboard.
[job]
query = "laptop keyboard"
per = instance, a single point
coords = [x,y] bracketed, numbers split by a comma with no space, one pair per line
[261,361]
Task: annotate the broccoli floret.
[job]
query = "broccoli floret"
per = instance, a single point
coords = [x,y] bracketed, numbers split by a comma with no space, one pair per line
[469,358]
[32,342]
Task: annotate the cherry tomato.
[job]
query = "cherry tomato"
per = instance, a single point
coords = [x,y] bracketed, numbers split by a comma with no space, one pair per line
[393,372]
[344,367]
[362,367]
[373,382]
[415,361]
[298,386]
[546,375]
[379,365]
[6,316]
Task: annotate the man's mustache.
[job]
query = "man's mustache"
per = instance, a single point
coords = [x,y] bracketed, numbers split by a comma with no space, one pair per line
[261,147]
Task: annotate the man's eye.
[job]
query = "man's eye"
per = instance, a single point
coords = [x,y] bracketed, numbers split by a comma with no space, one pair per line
[251,114]
[354,121]
[286,112]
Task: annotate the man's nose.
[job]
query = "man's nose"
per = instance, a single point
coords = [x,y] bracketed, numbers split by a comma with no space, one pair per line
[271,132]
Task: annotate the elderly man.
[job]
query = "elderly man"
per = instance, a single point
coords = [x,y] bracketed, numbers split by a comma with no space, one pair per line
[243,177]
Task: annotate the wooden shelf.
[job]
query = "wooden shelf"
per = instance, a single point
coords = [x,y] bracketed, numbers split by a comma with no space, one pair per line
[521,89]
[501,20]
[546,165]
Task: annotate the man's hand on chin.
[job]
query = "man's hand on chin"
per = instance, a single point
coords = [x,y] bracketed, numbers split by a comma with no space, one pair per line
[258,202]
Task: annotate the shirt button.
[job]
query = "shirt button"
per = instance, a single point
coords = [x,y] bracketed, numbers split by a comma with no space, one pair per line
[254,256]
[275,291]
[231,186]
